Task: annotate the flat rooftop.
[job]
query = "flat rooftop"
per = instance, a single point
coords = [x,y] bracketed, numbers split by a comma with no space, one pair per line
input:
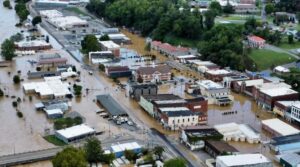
[281,91]
[243,159]
[208,84]
[161,97]
[282,140]
[75,131]
[280,127]
[109,44]
[111,105]
[218,72]
[202,132]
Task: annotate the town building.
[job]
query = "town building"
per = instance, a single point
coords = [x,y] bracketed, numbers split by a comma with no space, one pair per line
[246,87]
[295,112]
[50,13]
[194,137]
[74,133]
[100,57]
[281,69]
[217,75]
[118,71]
[119,149]
[246,8]
[137,90]
[68,22]
[267,97]
[290,160]
[256,42]
[268,86]
[175,118]
[229,81]
[203,66]
[35,45]
[215,92]
[153,74]
[216,148]
[243,160]
[185,58]
[119,38]
[285,144]
[42,74]
[51,88]
[238,132]
[276,127]
[51,60]
[110,31]
[110,46]
[169,50]
[283,108]
[111,105]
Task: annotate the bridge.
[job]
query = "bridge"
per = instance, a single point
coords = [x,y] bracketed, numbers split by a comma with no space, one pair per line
[28,157]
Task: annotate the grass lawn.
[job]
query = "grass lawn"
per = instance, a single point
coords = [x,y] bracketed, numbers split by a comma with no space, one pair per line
[288,46]
[181,41]
[52,139]
[264,59]
[76,10]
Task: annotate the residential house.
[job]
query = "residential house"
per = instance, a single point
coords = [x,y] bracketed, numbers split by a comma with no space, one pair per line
[153,74]
[256,42]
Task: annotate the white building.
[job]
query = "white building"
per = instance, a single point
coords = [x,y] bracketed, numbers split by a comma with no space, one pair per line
[74,133]
[54,113]
[52,87]
[238,132]
[214,92]
[67,22]
[278,128]
[243,160]
[178,117]
[295,112]
[50,13]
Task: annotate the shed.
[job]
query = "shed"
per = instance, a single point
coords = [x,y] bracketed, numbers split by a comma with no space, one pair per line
[119,149]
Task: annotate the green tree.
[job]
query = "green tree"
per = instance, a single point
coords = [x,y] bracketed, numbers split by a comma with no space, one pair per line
[36,20]
[104,38]
[93,150]
[269,8]
[77,89]
[291,39]
[228,9]
[101,67]
[176,162]
[216,7]
[108,158]
[21,11]
[158,150]
[16,79]
[130,155]
[6,3]
[8,49]
[70,157]
[209,19]
[90,44]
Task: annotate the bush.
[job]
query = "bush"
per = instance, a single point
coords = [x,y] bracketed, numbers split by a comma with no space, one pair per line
[38,68]
[1,92]
[6,4]
[62,123]
[30,98]
[101,67]
[77,89]
[15,104]
[16,79]
[20,114]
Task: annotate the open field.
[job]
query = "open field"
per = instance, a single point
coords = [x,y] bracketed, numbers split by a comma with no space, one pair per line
[264,59]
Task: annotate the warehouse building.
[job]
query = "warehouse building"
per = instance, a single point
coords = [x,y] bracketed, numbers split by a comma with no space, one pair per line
[35,45]
[286,144]
[278,128]
[67,22]
[243,160]
[290,160]
[193,137]
[54,113]
[111,105]
[74,133]
[216,148]
[110,46]
[119,149]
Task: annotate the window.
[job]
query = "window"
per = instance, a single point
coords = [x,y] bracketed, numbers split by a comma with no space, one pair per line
[188,120]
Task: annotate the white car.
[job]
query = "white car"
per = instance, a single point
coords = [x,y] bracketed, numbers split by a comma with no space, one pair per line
[91,72]
[130,123]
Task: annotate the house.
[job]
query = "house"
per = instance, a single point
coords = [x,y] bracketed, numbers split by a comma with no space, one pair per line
[193,137]
[153,74]
[215,92]
[267,97]
[110,46]
[216,148]
[74,133]
[276,127]
[243,160]
[118,71]
[137,90]
[175,118]
[216,75]
[256,42]
[285,144]
[35,45]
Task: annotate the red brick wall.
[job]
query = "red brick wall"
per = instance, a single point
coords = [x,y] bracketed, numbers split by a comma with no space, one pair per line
[193,104]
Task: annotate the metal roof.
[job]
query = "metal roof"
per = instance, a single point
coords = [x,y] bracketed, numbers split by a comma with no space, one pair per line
[111,105]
